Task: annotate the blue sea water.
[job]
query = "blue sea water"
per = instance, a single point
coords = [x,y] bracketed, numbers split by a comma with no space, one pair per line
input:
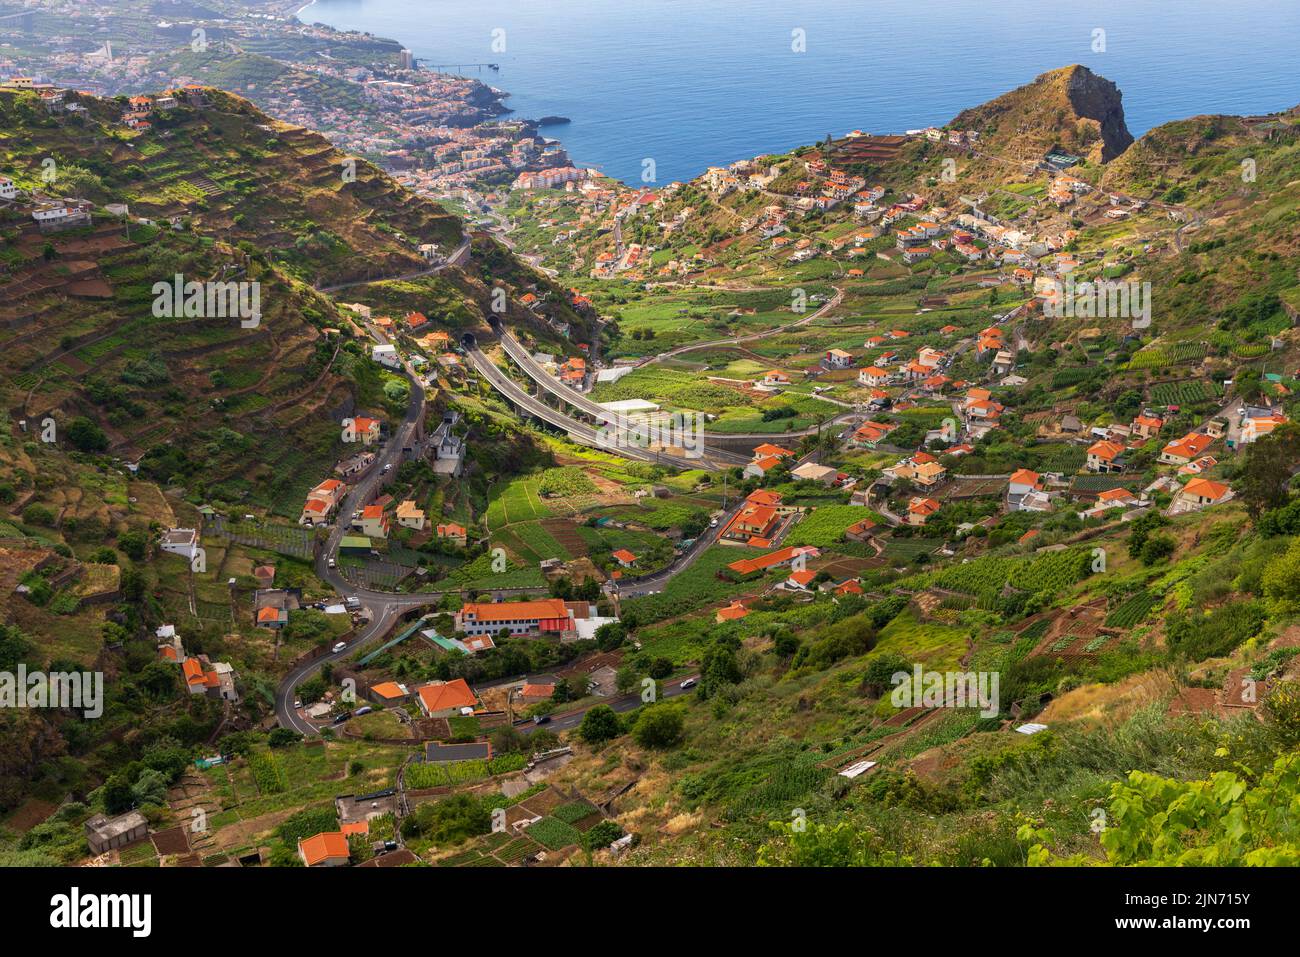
[695,83]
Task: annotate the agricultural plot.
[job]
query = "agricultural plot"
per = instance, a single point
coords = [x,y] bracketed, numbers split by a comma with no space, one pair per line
[373,573]
[1177,353]
[518,501]
[1132,610]
[1187,392]
[694,587]
[985,578]
[825,525]
[292,540]
[554,834]
[906,549]
[531,542]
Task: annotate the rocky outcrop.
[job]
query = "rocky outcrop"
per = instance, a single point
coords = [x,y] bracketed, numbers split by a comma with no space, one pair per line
[1071,109]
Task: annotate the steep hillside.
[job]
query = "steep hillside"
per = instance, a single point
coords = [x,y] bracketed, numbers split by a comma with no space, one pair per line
[215,192]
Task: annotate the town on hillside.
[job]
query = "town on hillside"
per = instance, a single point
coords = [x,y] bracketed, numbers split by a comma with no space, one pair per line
[380,488]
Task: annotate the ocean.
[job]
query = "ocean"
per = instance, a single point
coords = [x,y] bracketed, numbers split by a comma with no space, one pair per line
[689,84]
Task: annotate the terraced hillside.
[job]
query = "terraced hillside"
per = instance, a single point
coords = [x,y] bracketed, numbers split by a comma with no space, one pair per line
[229,196]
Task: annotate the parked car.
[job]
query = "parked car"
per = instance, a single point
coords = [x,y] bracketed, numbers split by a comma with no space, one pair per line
[333,563]
[363,710]
[343,717]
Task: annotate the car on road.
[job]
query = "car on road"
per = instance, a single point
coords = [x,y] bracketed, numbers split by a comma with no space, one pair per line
[689,683]
[541,719]
[333,563]
[388,467]
[297,702]
[340,646]
[713,523]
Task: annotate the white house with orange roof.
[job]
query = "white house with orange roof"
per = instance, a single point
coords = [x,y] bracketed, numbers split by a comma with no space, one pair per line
[1146,426]
[920,509]
[1105,456]
[921,468]
[409,515]
[1197,494]
[873,376]
[837,359]
[365,430]
[1254,428]
[321,502]
[1181,451]
[452,532]
[373,522]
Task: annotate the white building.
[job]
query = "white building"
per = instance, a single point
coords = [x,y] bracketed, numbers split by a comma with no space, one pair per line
[386,355]
[180,541]
[7,188]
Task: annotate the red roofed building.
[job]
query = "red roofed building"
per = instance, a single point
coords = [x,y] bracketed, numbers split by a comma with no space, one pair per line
[443,700]
[800,580]
[750,566]
[327,849]
[919,510]
[733,612]
[518,617]
[1182,451]
[758,517]
[1104,456]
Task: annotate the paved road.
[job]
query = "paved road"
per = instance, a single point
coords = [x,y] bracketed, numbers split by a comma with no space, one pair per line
[712,440]
[586,434]
[628,702]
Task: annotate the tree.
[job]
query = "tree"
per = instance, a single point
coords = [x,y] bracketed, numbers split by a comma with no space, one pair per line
[625,679]
[450,821]
[718,668]
[1142,527]
[878,678]
[86,436]
[1281,580]
[117,794]
[506,740]
[150,788]
[1266,473]
[1156,548]
[600,724]
[14,648]
[660,727]
[133,544]
[282,737]
[660,668]
[610,635]
[602,835]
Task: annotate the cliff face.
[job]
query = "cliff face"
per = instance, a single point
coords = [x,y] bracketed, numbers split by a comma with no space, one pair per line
[1099,99]
[1071,109]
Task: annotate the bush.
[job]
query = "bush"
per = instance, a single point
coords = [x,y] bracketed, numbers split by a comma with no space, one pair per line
[86,436]
[1199,636]
[660,727]
[602,835]
[1157,548]
[600,724]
